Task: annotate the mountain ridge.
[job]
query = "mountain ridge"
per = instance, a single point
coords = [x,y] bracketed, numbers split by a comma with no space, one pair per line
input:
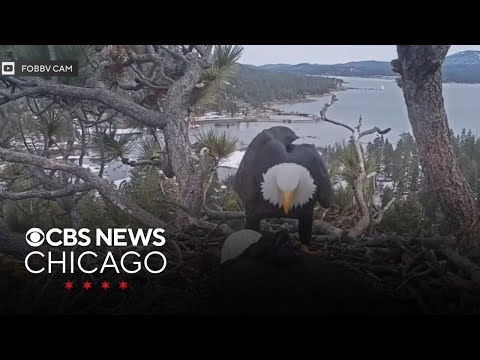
[461,67]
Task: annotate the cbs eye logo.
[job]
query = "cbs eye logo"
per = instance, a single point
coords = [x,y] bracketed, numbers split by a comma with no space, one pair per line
[35,237]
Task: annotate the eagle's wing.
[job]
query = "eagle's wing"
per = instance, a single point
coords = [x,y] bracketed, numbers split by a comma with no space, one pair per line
[263,153]
[307,155]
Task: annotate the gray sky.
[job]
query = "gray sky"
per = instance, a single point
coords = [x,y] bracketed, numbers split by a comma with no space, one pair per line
[324,54]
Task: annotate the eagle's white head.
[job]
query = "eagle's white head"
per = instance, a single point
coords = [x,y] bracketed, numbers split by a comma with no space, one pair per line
[288,185]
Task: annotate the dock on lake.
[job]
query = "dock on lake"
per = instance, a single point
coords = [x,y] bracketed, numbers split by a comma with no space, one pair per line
[275,117]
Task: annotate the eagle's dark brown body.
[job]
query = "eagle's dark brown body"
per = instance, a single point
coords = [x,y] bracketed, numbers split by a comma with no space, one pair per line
[269,148]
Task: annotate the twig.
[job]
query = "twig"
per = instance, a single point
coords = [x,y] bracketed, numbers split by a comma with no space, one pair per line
[423,273]
[339,124]
[374,130]
[465,264]
[44,194]
[379,217]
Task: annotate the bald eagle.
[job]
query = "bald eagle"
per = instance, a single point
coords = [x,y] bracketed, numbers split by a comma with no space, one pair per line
[278,179]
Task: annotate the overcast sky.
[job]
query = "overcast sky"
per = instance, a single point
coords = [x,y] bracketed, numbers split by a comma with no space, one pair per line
[324,54]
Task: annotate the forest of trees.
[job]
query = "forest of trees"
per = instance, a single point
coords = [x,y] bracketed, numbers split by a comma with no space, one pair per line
[257,87]
[399,175]
[253,87]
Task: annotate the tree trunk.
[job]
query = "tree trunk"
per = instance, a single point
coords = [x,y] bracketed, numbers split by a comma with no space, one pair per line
[364,220]
[421,81]
[184,165]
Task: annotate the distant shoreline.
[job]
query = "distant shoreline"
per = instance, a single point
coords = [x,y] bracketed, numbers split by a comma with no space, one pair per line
[394,77]
[308,99]
[262,113]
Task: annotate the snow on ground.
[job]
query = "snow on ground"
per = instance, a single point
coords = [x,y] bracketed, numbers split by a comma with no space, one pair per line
[73,157]
[377,201]
[118,182]
[87,166]
[233,161]
[337,184]
[127,131]
[387,184]
[94,169]
[212,117]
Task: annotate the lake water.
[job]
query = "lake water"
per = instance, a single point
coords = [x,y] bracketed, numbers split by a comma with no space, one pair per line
[383,108]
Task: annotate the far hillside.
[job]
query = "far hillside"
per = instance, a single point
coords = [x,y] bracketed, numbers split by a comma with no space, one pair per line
[462,67]
[251,86]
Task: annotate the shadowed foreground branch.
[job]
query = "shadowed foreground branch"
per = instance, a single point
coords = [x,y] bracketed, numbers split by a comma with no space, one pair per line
[102,186]
[45,194]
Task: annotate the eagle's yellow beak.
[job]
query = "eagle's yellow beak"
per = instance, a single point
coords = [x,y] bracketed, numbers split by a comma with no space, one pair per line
[287,198]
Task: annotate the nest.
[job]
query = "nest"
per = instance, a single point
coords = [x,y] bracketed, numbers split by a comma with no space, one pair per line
[424,270]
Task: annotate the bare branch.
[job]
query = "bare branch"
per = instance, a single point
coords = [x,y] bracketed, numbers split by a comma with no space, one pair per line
[208,49]
[174,54]
[159,61]
[141,79]
[359,182]
[378,219]
[319,227]
[45,194]
[162,72]
[223,215]
[472,269]
[39,112]
[222,229]
[16,177]
[106,97]
[20,127]
[126,161]
[6,97]
[130,87]
[82,117]
[375,130]
[148,83]
[104,188]
[89,59]
[359,125]
[323,113]
[339,124]
[203,50]
[327,105]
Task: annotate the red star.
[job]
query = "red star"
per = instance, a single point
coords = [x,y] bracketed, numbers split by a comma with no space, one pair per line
[68,285]
[105,285]
[123,285]
[87,285]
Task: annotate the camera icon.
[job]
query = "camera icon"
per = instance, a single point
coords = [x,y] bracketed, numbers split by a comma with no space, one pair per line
[8,68]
